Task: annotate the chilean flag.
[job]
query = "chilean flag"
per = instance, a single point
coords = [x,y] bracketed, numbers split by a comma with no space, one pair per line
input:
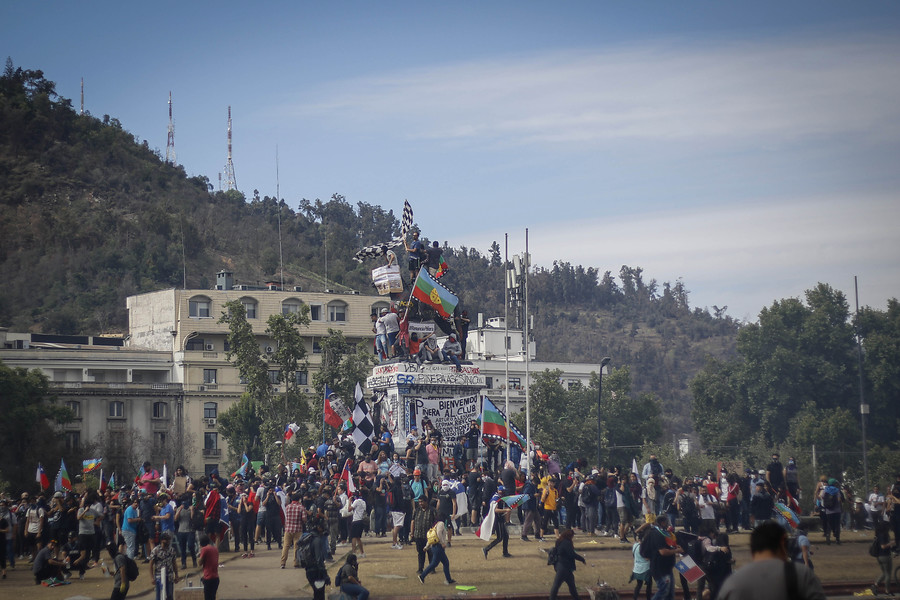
[290,430]
[687,567]
[348,478]
[331,417]
[41,477]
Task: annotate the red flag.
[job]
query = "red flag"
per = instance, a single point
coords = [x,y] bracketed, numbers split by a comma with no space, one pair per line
[331,417]
[103,484]
[290,430]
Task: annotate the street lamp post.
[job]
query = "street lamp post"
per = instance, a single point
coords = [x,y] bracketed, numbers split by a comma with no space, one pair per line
[603,364]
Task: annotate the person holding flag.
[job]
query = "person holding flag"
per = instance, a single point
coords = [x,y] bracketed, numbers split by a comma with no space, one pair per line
[496,522]
[660,547]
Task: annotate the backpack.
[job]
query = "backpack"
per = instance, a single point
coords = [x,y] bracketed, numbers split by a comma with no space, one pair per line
[609,498]
[644,549]
[587,495]
[131,569]
[553,556]
[339,578]
[688,507]
[432,537]
[829,500]
[875,548]
[198,520]
[305,552]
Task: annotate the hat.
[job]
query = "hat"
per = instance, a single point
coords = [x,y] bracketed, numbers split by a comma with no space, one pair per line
[417,472]
[311,471]
[452,337]
[58,495]
[445,485]
[595,472]
[762,472]
[832,481]
[384,311]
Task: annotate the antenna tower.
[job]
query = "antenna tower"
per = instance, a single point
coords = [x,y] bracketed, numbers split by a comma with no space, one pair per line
[82,96]
[229,166]
[170,140]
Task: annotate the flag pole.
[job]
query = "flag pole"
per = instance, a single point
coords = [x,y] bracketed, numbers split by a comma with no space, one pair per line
[506,325]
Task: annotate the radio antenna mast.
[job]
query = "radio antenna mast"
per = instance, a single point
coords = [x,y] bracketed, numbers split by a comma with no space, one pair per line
[82,96]
[170,139]
[278,208]
[230,183]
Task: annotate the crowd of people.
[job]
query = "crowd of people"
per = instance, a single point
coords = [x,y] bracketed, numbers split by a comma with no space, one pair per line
[422,496]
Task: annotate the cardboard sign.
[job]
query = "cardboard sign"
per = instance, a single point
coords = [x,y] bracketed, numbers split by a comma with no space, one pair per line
[387,280]
[179,486]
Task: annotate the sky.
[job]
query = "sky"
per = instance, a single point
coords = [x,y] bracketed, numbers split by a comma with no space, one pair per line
[750,150]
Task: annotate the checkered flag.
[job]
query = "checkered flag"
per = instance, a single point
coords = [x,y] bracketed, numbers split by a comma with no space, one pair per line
[364,428]
[407,220]
[376,250]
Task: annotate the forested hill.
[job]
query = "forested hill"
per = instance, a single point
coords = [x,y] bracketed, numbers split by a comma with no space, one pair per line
[91,215]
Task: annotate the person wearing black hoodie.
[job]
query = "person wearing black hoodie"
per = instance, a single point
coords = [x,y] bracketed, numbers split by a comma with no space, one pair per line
[565,564]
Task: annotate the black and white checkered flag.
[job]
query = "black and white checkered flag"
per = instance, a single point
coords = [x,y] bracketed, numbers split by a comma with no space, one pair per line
[363,429]
[376,250]
[407,220]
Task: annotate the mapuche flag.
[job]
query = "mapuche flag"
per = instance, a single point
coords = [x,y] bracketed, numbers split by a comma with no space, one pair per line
[494,425]
[428,291]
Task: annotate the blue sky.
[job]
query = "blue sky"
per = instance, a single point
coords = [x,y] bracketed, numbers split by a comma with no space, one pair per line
[750,149]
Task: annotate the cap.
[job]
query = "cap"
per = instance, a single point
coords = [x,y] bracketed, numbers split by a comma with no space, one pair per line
[417,472]
[384,311]
[58,495]
[762,472]
[311,471]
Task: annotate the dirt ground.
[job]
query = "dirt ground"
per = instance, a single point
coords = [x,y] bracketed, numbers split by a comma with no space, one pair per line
[390,573]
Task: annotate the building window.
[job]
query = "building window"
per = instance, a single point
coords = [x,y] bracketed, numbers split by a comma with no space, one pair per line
[159,439]
[195,344]
[209,375]
[301,378]
[317,347]
[160,410]
[199,307]
[116,409]
[337,312]
[376,308]
[75,407]
[574,384]
[273,376]
[209,468]
[489,382]
[210,440]
[515,383]
[249,307]
[290,306]
[210,410]
[73,440]
[315,312]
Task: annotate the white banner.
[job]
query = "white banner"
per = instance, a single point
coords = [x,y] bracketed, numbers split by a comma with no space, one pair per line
[450,416]
[387,280]
[421,328]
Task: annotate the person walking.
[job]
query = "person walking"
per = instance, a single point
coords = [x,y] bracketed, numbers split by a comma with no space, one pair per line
[501,518]
[565,564]
[163,557]
[120,570]
[438,554]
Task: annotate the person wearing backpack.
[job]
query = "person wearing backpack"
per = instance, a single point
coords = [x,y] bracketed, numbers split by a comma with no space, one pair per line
[832,497]
[312,557]
[566,556]
[120,560]
[348,579]
[438,541]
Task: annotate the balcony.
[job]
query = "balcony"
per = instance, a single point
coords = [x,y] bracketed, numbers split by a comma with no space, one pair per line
[212,452]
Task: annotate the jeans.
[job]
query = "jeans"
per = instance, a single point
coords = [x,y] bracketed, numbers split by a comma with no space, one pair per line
[353,589]
[438,555]
[210,587]
[187,541]
[665,588]
[564,576]
[590,518]
[453,358]
[130,543]
[170,589]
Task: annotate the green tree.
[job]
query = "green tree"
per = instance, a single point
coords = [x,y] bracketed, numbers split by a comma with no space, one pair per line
[29,429]
[343,366]
[257,421]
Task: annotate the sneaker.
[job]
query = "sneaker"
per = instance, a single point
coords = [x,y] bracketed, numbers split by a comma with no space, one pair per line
[450,582]
[81,576]
[363,555]
[525,539]
[507,555]
[419,577]
[484,551]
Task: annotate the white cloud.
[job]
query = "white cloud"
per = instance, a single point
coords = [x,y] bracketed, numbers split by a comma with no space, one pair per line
[742,256]
[779,88]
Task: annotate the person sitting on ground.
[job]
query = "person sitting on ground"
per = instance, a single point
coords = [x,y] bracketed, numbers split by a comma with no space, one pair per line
[46,566]
[348,579]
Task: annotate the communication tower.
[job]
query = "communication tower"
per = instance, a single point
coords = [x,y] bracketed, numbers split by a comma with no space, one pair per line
[170,140]
[229,166]
[82,96]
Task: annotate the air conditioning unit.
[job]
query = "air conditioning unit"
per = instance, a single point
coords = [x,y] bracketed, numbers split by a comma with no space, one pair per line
[210,347]
[201,388]
[210,422]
